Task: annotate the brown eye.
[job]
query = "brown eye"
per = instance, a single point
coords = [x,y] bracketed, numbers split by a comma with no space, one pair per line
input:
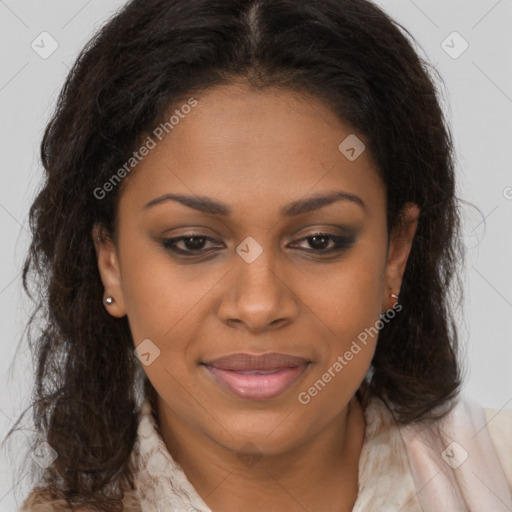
[319,242]
[190,244]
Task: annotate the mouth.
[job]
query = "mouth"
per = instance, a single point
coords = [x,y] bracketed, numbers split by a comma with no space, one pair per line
[256,377]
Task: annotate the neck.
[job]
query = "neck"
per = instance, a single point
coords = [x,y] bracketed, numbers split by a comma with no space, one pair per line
[320,474]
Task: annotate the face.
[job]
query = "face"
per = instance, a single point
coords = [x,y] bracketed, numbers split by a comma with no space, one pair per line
[247,230]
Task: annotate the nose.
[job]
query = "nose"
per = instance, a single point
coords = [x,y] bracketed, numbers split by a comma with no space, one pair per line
[259,296]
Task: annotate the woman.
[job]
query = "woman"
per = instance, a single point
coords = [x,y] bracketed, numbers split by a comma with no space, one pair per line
[245,243]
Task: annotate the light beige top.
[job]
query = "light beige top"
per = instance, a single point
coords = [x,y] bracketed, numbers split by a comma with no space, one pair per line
[463,463]
[467,466]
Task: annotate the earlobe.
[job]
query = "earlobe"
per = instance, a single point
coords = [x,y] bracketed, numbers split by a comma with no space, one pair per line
[400,245]
[108,267]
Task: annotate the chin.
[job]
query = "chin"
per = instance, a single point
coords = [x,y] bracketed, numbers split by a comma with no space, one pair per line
[260,434]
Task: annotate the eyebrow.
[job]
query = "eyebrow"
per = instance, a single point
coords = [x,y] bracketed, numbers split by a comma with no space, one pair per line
[208,205]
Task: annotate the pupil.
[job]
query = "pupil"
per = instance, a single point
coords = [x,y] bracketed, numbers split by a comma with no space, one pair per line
[194,242]
[314,244]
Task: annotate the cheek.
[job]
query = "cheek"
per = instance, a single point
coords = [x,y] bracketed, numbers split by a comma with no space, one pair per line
[348,298]
[159,294]
[347,308]
[349,314]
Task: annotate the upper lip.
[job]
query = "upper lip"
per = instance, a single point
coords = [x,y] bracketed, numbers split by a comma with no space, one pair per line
[244,362]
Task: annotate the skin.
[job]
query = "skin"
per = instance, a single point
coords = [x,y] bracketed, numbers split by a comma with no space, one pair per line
[256,152]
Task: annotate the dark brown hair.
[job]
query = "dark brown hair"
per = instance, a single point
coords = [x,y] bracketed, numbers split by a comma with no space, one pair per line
[149,58]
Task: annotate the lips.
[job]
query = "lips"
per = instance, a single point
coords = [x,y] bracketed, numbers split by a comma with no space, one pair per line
[256,377]
[249,362]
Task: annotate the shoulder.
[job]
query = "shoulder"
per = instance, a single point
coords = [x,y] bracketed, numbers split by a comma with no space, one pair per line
[44,499]
[492,428]
[499,425]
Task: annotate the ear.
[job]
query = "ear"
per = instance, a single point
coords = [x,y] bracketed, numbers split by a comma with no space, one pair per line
[400,244]
[108,266]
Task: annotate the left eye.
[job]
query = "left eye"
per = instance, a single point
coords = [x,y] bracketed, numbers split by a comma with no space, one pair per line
[318,241]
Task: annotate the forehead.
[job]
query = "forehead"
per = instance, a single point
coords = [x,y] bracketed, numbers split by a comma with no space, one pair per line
[259,147]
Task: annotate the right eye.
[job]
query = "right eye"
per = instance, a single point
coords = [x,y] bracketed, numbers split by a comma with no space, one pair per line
[192,244]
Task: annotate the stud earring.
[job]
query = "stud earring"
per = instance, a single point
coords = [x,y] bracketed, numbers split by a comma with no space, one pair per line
[383,314]
[109,300]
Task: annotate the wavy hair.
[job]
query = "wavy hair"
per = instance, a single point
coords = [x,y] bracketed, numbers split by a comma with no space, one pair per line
[147,59]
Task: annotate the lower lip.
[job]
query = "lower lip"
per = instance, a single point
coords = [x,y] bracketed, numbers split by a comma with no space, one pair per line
[257,386]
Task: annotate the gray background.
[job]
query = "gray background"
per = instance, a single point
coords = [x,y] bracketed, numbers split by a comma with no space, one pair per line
[478,102]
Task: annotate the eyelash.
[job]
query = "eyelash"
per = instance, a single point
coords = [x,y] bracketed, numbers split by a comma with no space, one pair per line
[341,243]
